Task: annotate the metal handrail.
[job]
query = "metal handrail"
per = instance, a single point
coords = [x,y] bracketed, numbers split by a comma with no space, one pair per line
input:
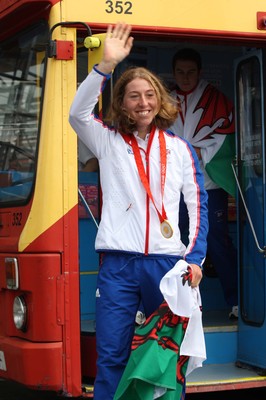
[87,207]
[261,250]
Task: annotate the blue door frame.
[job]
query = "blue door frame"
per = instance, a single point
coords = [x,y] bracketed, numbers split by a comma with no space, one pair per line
[250,119]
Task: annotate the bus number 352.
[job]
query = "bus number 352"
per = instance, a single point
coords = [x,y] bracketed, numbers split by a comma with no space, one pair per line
[118,7]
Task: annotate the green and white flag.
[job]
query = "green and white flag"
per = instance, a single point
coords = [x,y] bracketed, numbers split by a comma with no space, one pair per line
[155,369]
[206,120]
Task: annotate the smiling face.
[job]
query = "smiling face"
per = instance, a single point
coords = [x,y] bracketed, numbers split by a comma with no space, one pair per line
[186,75]
[141,104]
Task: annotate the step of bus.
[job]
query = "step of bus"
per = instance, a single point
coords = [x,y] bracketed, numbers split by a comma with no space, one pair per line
[222,377]
[221,371]
[220,337]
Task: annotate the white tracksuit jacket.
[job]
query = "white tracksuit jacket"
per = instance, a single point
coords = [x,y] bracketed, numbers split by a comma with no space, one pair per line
[129,221]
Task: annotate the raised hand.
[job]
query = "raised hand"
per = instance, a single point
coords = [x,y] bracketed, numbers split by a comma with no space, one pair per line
[117,46]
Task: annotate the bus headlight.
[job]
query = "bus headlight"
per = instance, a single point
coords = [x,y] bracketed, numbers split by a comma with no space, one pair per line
[19,312]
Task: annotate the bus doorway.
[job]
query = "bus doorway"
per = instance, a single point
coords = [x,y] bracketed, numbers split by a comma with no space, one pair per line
[220,365]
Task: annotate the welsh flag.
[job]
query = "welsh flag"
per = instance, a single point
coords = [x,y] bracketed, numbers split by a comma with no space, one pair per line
[219,167]
[155,369]
[217,156]
[209,125]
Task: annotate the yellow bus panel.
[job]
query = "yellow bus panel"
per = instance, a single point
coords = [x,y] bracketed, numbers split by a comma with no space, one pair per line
[226,15]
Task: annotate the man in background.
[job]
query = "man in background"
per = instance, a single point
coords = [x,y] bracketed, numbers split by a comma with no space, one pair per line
[206,120]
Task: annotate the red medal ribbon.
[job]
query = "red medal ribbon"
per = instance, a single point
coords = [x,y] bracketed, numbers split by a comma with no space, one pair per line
[130,139]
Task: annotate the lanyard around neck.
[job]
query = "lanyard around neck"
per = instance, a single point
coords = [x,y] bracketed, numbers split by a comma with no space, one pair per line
[141,170]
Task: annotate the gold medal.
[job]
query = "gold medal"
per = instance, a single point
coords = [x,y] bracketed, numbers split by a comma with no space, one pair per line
[166,229]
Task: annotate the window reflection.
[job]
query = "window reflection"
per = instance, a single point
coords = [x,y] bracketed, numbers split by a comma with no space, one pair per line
[21,87]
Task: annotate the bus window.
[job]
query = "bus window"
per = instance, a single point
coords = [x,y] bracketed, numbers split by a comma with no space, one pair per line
[21,76]
[249,117]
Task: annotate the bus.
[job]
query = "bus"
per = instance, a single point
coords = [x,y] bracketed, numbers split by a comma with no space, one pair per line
[50,206]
